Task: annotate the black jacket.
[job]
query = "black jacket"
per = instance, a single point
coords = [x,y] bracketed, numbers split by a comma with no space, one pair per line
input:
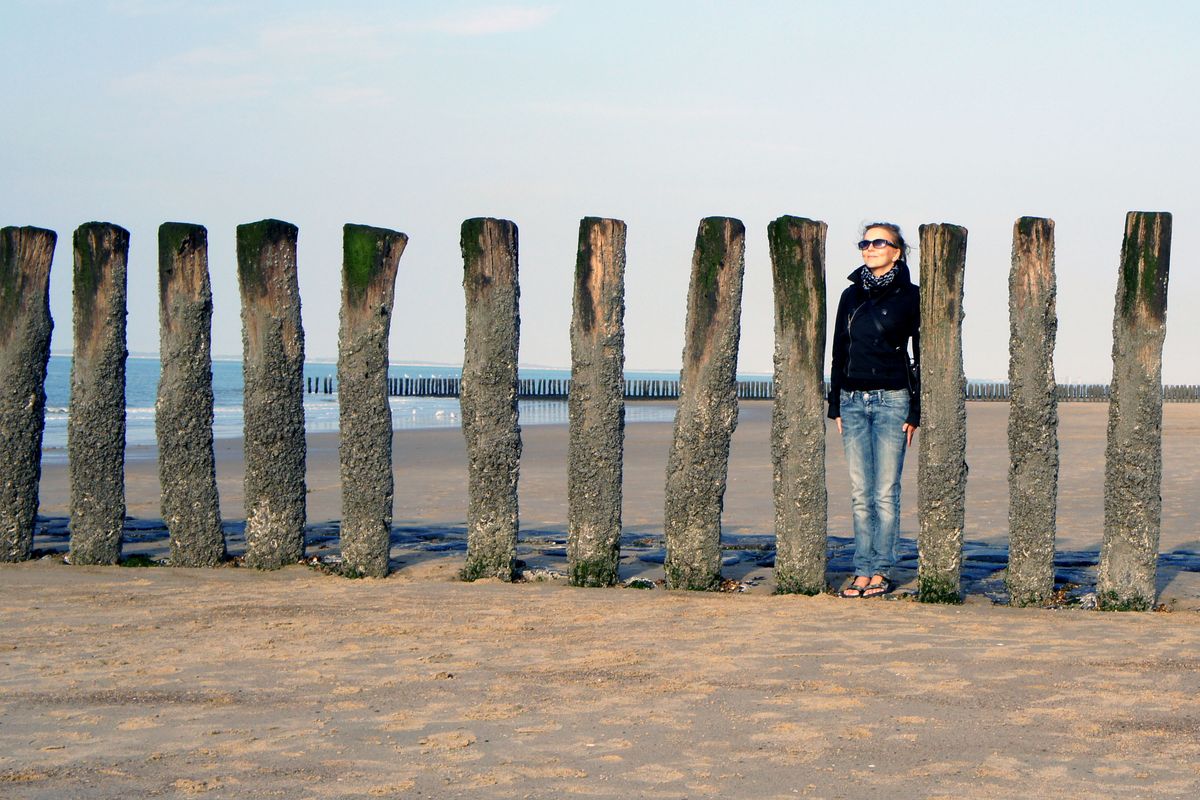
[870,341]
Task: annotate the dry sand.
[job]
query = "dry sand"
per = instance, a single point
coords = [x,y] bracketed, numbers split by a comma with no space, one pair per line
[122,682]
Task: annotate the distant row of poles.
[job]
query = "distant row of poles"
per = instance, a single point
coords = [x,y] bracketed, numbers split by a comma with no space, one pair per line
[645,389]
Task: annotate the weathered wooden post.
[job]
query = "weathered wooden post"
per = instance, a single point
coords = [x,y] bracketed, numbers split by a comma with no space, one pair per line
[942,463]
[25,327]
[707,411]
[370,257]
[96,423]
[1032,414]
[489,396]
[596,404]
[797,415]
[183,412]
[272,369]
[1133,457]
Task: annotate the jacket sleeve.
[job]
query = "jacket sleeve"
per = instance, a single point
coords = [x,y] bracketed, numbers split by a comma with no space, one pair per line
[838,367]
[914,388]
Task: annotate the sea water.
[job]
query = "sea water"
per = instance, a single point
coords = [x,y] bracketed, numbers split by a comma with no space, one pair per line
[320,410]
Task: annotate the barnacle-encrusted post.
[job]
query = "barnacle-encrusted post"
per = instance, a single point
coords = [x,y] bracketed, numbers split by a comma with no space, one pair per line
[273,373]
[489,396]
[370,257]
[1133,457]
[183,412]
[1032,414]
[942,463]
[706,415]
[596,404]
[797,418]
[96,423]
[25,327]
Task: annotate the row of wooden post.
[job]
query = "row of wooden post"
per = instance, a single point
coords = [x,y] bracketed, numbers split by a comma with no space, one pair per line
[273,356]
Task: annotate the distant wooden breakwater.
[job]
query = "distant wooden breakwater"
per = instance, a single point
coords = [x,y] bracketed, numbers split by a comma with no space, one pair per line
[536,388]
[707,396]
[647,389]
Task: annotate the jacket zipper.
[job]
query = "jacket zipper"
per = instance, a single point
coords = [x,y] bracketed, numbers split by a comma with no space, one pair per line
[850,338]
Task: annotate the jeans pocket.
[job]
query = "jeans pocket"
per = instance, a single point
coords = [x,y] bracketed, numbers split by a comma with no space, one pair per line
[895,398]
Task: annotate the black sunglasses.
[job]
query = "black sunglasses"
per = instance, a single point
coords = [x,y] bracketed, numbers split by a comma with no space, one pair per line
[878,244]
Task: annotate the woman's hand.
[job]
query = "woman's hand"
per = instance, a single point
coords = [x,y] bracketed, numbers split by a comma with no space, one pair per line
[838,420]
[909,430]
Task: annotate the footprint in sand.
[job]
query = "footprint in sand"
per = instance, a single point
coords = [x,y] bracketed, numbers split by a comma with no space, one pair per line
[656,773]
[139,724]
[492,711]
[447,742]
[402,721]
[1001,767]
[387,791]
[188,786]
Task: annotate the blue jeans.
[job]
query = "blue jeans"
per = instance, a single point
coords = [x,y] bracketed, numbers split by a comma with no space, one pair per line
[874,440]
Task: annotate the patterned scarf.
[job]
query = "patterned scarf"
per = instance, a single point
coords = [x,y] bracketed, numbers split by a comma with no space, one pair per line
[873,284]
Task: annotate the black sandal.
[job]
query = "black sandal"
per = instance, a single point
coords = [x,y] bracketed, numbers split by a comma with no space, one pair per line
[878,588]
[853,592]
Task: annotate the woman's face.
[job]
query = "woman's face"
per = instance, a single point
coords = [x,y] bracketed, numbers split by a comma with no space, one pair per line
[880,260]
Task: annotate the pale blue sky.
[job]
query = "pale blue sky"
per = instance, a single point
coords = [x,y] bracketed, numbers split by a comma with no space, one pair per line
[417,115]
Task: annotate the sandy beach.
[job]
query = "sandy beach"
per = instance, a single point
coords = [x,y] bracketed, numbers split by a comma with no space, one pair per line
[122,682]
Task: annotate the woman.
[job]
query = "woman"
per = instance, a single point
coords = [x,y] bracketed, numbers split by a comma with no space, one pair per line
[875,398]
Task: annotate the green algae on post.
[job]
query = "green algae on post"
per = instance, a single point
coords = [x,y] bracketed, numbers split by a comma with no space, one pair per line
[256,244]
[488,397]
[1133,456]
[706,415]
[184,407]
[366,251]
[272,371]
[371,258]
[797,248]
[709,260]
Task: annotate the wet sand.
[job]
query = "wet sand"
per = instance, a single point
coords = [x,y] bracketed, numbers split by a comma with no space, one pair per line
[121,682]
[431,478]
